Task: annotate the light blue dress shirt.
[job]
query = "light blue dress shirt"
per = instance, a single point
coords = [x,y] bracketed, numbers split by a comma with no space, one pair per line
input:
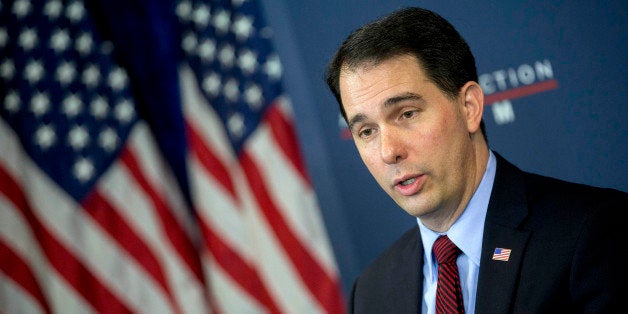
[466,233]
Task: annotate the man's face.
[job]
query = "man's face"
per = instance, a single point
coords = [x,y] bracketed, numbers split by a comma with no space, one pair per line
[413,139]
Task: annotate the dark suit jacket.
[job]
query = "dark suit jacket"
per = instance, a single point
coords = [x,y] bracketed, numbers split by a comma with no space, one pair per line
[568,255]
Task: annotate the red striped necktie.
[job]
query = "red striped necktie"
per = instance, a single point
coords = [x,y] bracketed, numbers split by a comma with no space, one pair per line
[448,291]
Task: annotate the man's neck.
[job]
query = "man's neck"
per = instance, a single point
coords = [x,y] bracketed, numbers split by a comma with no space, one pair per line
[441,220]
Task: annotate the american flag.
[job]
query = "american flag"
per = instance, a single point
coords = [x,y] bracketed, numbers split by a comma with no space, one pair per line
[501,254]
[148,163]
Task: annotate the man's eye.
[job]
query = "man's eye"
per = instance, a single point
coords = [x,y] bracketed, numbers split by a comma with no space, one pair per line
[408,114]
[365,132]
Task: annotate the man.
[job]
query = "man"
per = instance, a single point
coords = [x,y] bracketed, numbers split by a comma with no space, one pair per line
[520,243]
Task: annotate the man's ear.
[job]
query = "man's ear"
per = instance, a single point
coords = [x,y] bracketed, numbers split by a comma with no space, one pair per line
[473,97]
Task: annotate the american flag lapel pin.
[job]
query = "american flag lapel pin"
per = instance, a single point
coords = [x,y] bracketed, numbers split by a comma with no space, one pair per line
[501,254]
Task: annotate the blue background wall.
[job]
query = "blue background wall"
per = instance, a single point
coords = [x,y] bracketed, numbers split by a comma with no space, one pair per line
[575,131]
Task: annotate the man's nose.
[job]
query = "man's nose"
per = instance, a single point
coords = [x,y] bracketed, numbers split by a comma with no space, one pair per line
[391,146]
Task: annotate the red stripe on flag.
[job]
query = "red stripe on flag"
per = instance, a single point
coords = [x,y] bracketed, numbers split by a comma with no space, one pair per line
[18,270]
[108,218]
[238,269]
[73,271]
[210,161]
[324,288]
[284,135]
[169,223]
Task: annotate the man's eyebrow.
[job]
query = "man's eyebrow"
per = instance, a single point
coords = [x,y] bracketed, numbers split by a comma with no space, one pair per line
[390,102]
[401,98]
[356,119]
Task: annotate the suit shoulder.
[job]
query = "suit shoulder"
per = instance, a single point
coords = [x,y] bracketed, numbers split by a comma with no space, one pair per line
[551,194]
[403,248]
[565,205]
[559,192]
[389,283]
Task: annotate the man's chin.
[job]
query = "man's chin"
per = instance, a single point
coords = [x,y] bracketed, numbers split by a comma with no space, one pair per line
[417,210]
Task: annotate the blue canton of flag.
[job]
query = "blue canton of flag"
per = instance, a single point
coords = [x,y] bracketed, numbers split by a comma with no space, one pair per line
[63,96]
[229,49]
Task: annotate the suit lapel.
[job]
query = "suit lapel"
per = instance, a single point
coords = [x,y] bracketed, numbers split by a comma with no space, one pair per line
[507,209]
[419,269]
[410,282]
[497,279]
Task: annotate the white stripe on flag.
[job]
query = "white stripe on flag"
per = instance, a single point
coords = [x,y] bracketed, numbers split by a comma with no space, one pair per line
[276,267]
[228,294]
[218,210]
[89,243]
[62,297]
[293,196]
[15,233]
[190,292]
[13,299]
[161,177]
[139,213]
[197,112]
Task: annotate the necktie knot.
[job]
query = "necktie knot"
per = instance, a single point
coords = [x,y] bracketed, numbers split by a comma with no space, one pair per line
[445,250]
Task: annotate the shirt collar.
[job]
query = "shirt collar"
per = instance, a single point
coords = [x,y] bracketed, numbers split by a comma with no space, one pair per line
[468,230]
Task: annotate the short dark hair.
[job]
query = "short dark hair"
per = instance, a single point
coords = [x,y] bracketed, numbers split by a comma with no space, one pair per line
[441,51]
